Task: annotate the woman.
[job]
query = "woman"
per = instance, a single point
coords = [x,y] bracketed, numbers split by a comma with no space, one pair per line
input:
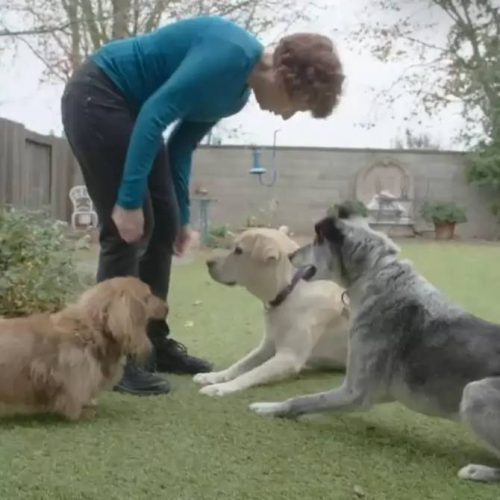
[115,110]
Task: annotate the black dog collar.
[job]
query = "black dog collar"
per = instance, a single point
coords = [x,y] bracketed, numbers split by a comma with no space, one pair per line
[304,273]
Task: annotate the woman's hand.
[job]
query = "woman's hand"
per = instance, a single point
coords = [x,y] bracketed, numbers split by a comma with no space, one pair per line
[186,238]
[130,223]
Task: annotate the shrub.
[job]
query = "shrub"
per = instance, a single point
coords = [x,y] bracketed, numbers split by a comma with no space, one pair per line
[261,220]
[443,213]
[37,271]
[483,169]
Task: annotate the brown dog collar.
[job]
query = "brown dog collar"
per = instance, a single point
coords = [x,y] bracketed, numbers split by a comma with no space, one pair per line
[304,273]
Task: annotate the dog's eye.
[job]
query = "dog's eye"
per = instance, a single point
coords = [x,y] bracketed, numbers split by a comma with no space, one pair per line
[238,251]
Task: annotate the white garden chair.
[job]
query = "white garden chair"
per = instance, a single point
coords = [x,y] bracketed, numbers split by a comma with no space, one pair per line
[83,208]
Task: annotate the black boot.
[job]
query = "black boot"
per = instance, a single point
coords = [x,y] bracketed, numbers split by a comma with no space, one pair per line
[172,356]
[141,382]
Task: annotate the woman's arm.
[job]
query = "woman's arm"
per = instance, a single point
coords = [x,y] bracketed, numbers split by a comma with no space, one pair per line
[200,76]
[182,142]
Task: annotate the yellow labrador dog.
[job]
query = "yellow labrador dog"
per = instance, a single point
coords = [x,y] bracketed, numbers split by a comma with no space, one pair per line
[306,323]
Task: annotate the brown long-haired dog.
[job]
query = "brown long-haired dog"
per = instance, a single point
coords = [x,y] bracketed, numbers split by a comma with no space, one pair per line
[60,362]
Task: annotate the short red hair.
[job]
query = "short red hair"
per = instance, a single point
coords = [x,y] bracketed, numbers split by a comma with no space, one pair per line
[311,70]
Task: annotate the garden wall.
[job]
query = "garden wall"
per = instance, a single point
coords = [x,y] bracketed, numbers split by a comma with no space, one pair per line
[311,179]
[38,171]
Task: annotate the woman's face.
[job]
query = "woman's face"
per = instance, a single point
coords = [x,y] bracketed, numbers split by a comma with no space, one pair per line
[272,96]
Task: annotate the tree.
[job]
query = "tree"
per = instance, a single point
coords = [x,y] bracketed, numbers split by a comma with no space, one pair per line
[61,33]
[463,70]
[412,140]
[221,133]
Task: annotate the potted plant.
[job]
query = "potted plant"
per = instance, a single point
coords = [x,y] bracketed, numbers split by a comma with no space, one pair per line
[219,237]
[444,215]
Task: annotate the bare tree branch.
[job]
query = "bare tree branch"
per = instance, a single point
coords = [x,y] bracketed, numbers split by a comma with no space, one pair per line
[121,14]
[153,19]
[64,32]
[101,19]
[51,69]
[37,30]
[423,43]
[91,22]
[467,64]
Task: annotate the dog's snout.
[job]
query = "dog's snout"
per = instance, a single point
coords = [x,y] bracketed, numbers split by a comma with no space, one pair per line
[210,263]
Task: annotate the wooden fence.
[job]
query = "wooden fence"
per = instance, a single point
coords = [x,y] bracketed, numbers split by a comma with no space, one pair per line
[36,171]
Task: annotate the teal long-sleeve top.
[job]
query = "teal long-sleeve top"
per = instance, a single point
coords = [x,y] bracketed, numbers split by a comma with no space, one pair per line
[193,71]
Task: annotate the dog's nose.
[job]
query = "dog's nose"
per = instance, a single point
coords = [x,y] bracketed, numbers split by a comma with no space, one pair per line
[210,262]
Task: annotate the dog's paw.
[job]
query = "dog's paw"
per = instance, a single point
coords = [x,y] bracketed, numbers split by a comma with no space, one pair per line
[474,472]
[209,378]
[270,409]
[217,390]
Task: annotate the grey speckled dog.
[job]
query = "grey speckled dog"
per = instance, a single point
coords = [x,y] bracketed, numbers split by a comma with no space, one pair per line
[408,342]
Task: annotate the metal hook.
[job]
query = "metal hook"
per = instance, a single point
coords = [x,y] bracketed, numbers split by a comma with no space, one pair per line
[259,170]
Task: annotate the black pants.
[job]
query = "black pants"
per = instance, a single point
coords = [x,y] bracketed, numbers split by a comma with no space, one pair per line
[98,123]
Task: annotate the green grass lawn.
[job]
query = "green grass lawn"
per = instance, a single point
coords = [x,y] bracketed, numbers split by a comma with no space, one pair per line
[191,447]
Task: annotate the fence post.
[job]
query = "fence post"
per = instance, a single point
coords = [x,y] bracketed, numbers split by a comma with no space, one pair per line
[11,161]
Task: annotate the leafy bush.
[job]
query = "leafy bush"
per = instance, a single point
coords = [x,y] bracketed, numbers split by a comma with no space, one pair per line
[444,213]
[483,169]
[37,271]
[355,207]
[218,231]
[496,210]
[483,166]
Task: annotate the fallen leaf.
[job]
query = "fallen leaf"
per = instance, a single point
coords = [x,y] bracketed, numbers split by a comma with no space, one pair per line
[358,491]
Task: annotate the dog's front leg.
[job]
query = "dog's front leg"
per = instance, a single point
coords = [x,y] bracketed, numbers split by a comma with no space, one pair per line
[342,399]
[361,383]
[254,358]
[277,368]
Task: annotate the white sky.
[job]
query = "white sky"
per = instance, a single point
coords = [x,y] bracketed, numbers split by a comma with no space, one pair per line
[24,99]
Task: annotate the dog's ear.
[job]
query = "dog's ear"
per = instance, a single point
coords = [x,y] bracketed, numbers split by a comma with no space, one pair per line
[288,246]
[127,321]
[117,311]
[344,211]
[261,249]
[329,229]
[95,301]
